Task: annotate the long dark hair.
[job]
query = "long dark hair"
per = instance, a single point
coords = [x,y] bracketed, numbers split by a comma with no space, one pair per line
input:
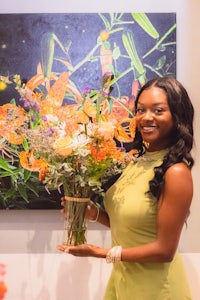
[183,114]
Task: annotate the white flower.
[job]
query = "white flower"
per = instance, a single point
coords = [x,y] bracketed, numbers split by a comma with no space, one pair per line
[61,129]
[90,127]
[52,118]
[83,169]
[80,140]
[83,152]
[106,130]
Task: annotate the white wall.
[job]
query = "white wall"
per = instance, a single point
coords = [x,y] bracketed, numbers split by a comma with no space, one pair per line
[35,270]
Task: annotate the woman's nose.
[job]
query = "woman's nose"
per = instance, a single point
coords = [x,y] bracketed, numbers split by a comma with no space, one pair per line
[148,115]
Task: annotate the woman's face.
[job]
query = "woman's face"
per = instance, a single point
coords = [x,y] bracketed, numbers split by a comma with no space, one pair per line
[154,119]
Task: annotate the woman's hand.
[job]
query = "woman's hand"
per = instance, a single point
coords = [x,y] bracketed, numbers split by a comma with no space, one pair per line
[93,213]
[84,250]
[92,210]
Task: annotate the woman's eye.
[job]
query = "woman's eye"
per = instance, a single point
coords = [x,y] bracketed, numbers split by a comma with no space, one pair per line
[158,111]
[139,110]
[155,111]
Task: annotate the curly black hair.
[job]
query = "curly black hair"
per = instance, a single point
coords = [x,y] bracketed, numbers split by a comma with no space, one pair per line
[182,112]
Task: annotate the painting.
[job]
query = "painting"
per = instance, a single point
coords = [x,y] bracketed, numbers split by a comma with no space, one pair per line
[133,47]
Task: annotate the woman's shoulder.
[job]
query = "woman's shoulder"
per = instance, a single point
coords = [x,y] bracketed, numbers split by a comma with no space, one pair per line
[179,175]
[177,169]
[178,186]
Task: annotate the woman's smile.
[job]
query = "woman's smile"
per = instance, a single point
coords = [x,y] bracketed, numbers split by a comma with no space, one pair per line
[148,129]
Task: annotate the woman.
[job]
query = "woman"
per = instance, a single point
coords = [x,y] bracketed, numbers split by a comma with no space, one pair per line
[146,208]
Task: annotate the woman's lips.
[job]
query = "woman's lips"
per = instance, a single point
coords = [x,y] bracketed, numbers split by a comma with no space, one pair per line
[147,129]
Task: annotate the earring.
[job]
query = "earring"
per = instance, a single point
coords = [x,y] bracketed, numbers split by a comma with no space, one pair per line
[146,144]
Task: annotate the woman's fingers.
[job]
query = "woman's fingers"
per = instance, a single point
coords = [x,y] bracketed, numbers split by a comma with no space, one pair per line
[91,211]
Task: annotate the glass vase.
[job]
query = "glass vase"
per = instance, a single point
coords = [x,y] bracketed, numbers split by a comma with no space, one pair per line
[74,221]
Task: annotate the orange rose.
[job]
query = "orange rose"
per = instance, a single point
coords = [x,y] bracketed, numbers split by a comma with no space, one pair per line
[63,146]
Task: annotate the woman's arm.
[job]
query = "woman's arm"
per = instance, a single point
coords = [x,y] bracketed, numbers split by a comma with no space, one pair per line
[173,210]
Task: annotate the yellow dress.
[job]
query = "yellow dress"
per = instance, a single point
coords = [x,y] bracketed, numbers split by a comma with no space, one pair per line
[132,215]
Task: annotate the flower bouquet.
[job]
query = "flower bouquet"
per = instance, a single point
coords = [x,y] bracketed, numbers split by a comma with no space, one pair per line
[73,146]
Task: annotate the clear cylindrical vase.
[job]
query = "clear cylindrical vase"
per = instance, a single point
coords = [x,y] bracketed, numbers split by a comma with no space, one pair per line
[74,222]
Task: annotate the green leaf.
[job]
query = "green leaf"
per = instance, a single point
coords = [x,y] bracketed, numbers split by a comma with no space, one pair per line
[27,174]
[5,174]
[22,191]
[160,62]
[110,105]
[47,53]
[145,23]
[111,68]
[32,188]
[116,53]
[25,144]
[6,166]
[128,41]
[106,22]
[13,101]
[106,45]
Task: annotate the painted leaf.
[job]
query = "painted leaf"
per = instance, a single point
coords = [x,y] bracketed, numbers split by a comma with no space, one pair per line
[145,23]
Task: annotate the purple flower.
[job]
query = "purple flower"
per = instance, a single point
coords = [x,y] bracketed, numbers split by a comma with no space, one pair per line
[37,109]
[22,99]
[105,94]
[26,104]
[34,105]
[86,90]
[32,118]
[50,131]
[44,118]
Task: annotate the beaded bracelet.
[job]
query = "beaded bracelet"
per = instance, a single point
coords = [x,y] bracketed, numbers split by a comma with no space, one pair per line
[97,216]
[114,254]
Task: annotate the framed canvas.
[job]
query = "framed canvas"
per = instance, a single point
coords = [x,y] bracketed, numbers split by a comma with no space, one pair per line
[133,47]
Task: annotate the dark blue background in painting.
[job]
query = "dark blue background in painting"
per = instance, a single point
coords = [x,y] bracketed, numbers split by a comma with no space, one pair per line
[20,52]
[22,33]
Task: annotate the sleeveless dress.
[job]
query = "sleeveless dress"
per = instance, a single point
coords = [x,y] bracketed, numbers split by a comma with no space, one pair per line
[132,215]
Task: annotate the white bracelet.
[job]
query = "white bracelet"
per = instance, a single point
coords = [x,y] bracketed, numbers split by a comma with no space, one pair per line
[97,216]
[114,254]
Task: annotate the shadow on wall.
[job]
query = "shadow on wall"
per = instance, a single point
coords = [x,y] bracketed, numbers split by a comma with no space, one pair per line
[69,275]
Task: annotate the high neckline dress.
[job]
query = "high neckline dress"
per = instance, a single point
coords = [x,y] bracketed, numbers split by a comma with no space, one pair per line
[132,214]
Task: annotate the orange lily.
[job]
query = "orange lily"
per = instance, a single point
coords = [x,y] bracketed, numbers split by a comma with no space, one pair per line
[30,162]
[12,137]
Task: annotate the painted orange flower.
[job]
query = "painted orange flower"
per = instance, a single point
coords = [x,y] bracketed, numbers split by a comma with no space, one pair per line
[11,118]
[104,35]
